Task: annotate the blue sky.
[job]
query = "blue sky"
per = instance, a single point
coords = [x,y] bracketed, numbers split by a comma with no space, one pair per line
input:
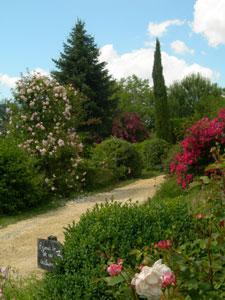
[192,36]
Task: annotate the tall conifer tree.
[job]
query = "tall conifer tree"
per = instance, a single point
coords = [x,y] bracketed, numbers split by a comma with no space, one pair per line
[79,65]
[162,121]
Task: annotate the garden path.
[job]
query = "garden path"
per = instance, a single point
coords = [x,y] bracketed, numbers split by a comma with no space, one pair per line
[18,242]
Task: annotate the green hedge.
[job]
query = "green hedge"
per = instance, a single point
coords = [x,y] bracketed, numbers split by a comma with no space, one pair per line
[112,230]
[152,152]
[119,156]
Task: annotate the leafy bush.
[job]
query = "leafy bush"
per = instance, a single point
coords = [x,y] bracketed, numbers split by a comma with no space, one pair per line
[153,152]
[196,148]
[107,232]
[21,185]
[94,176]
[119,156]
[128,126]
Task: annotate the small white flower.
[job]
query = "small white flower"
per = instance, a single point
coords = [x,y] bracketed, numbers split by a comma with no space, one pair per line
[61,143]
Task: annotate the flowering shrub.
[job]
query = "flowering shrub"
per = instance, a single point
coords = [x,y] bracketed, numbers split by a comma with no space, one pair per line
[44,121]
[195,148]
[129,127]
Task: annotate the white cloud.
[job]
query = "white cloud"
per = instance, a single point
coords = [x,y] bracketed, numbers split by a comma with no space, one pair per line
[8,81]
[158,29]
[140,63]
[180,47]
[209,20]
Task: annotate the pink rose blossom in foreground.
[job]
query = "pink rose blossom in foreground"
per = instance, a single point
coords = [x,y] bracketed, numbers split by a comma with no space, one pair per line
[114,269]
[168,279]
[164,244]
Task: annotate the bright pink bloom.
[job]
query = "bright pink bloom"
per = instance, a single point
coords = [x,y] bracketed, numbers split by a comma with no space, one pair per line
[168,279]
[114,269]
[164,245]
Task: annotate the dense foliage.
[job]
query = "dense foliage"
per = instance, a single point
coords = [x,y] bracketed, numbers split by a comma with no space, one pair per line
[191,94]
[3,117]
[162,119]
[43,119]
[119,156]
[79,65]
[21,185]
[128,126]
[153,152]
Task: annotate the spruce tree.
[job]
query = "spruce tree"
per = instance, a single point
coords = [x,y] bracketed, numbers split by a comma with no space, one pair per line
[79,65]
[162,121]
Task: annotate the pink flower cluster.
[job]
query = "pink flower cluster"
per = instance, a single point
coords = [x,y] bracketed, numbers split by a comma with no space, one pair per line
[195,153]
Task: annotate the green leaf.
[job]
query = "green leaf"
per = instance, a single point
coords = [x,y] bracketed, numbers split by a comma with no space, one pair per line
[113,280]
[205,179]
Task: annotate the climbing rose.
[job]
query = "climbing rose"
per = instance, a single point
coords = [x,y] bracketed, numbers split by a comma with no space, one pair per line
[114,269]
[168,279]
[149,281]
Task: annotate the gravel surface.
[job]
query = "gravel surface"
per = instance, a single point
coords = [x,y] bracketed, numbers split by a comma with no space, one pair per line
[18,242]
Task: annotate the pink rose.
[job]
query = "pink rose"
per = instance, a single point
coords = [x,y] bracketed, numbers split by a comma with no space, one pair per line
[114,269]
[168,279]
[164,245]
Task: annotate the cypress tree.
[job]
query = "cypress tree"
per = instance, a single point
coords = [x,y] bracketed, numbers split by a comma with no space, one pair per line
[79,65]
[162,122]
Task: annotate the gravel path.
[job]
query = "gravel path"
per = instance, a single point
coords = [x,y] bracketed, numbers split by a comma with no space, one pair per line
[18,242]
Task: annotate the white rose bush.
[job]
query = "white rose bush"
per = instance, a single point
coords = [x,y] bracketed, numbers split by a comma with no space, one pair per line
[43,119]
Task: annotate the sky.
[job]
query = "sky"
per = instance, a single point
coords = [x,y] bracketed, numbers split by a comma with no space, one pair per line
[191,33]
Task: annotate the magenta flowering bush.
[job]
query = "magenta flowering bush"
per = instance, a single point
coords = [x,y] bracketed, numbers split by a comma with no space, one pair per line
[129,127]
[43,120]
[195,148]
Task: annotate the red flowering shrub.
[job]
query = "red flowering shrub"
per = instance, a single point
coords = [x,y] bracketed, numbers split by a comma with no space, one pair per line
[195,153]
[129,127]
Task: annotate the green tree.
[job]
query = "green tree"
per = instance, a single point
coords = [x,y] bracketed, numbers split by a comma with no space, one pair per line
[162,119]
[79,65]
[3,116]
[135,95]
[187,96]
